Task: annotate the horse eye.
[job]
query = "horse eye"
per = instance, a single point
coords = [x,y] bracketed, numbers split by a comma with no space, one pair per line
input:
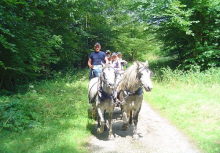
[139,75]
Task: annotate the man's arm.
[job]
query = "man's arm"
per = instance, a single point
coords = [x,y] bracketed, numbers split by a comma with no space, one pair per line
[106,60]
[89,63]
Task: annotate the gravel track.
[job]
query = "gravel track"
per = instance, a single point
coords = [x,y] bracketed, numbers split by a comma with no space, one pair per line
[156,135]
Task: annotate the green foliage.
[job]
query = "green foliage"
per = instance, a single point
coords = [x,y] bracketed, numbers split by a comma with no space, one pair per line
[207,56]
[40,105]
[52,115]
[193,76]
[191,30]
[17,116]
[37,37]
[22,26]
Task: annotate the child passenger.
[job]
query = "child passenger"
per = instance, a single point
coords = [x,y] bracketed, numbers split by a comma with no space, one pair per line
[123,62]
[115,62]
[108,55]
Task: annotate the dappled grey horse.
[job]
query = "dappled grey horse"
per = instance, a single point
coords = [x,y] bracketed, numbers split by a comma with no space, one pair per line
[130,92]
[101,93]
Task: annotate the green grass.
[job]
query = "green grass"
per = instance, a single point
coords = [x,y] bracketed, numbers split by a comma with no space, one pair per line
[191,101]
[60,110]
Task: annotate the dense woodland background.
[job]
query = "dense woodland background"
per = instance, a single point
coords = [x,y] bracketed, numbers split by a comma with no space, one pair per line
[39,37]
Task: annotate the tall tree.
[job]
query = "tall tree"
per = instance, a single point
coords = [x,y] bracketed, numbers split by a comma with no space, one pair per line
[189,29]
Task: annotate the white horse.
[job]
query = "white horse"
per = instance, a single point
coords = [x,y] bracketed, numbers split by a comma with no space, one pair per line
[101,92]
[130,92]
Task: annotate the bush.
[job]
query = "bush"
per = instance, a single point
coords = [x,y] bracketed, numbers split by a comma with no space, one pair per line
[15,116]
[45,101]
[193,76]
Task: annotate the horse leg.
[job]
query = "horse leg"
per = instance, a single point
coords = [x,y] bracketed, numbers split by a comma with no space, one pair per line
[110,125]
[101,121]
[125,120]
[135,135]
[98,119]
[130,117]
[106,122]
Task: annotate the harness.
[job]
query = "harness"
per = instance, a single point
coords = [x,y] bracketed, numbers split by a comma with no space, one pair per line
[127,93]
[139,92]
[103,95]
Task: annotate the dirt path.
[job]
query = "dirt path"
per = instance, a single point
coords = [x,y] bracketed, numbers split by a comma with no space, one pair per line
[156,134]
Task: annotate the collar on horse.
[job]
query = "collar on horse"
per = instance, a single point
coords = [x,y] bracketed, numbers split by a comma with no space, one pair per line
[139,91]
[104,95]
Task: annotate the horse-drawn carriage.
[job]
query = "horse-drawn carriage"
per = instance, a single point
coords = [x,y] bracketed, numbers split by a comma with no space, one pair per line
[113,88]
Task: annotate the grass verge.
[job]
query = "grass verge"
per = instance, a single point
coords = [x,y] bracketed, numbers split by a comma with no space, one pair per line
[51,117]
[191,101]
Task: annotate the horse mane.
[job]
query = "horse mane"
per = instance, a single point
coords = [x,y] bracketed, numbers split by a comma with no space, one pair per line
[130,78]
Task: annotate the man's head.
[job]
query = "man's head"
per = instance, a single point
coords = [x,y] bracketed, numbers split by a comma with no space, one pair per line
[97,47]
[119,54]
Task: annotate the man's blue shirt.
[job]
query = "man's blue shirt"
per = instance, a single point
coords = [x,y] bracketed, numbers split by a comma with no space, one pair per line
[97,58]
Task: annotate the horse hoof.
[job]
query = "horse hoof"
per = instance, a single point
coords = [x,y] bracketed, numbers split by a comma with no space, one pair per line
[99,131]
[124,127]
[110,137]
[135,137]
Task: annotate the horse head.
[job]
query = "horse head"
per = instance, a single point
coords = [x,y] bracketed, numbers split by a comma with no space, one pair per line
[108,75]
[144,75]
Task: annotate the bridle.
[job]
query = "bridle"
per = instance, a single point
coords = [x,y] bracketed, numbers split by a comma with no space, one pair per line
[139,75]
[103,79]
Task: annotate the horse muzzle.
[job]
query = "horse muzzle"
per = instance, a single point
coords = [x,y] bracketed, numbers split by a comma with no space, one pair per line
[111,85]
[148,89]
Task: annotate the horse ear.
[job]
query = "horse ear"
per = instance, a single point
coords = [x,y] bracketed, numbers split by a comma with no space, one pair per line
[146,63]
[137,63]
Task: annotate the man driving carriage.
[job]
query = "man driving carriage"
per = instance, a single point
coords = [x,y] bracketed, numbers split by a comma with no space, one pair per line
[95,59]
